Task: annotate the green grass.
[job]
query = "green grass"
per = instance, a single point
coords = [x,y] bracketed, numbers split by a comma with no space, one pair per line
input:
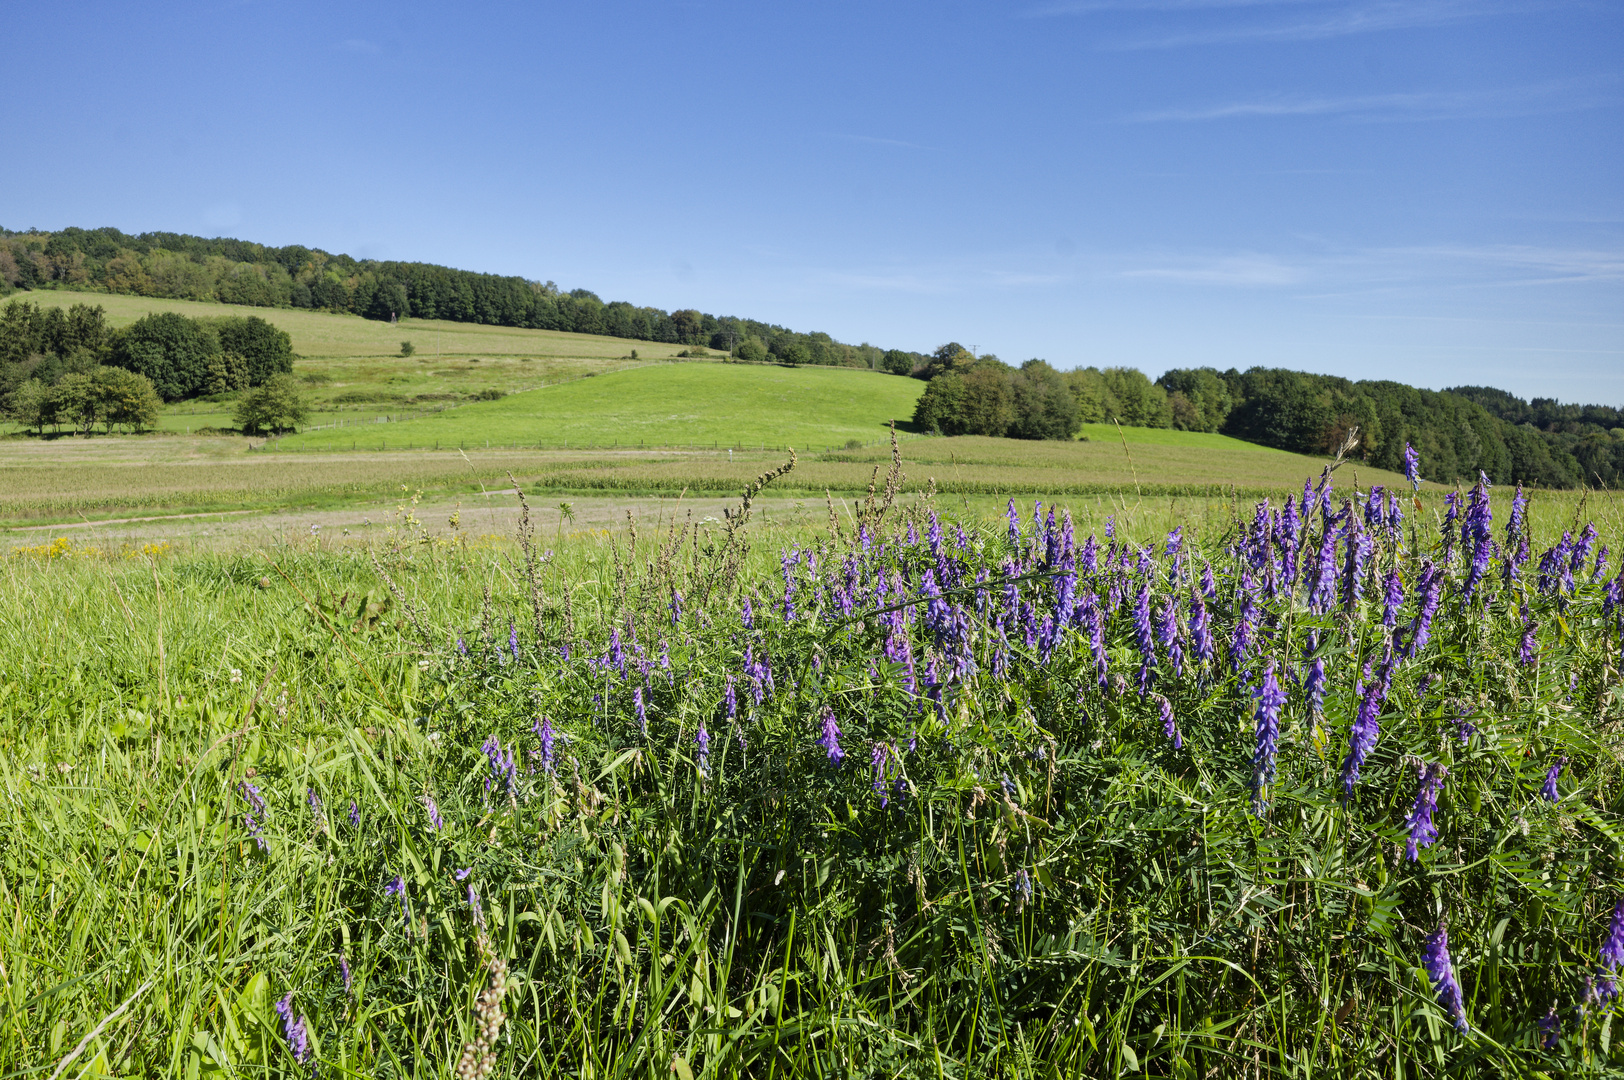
[769,915]
[695,404]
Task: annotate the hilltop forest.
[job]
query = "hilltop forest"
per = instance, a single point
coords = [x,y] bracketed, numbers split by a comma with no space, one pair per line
[184,267]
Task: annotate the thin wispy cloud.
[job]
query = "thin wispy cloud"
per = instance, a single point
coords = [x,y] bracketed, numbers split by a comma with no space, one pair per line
[1521,264]
[1563,96]
[1244,270]
[1321,21]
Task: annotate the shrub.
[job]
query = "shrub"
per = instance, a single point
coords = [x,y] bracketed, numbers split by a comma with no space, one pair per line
[407,348]
[277,406]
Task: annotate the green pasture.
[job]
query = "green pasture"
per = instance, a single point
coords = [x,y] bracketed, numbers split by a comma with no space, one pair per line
[694,405]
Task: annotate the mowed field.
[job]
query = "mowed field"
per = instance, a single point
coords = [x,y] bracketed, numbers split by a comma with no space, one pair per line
[79,481]
[688,404]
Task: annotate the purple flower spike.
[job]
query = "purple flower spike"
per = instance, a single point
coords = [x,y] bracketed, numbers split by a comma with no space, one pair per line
[513,641]
[1423,833]
[830,739]
[1270,698]
[355,815]
[293,1031]
[543,728]
[344,972]
[1412,466]
[1611,954]
[1362,736]
[1528,650]
[1549,790]
[1441,970]
[1169,727]
[702,739]
[434,812]
[1550,1029]
[879,759]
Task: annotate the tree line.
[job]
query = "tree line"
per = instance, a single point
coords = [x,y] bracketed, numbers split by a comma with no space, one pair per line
[1458,432]
[241,272]
[67,368]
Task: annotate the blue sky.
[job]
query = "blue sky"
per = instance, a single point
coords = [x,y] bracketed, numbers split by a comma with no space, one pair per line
[1428,190]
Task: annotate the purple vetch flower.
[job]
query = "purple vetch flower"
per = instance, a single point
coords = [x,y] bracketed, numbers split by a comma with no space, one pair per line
[617,654]
[504,772]
[1549,791]
[1314,681]
[434,812]
[730,700]
[830,739]
[702,740]
[1322,593]
[1269,700]
[397,887]
[1581,548]
[344,972]
[513,640]
[294,1031]
[1167,632]
[252,796]
[1392,598]
[748,615]
[1550,1029]
[355,815]
[462,647]
[1601,565]
[1356,550]
[1423,833]
[641,710]
[1240,642]
[543,727]
[475,908]
[1528,650]
[253,821]
[1014,517]
[1094,626]
[1209,588]
[879,760]
[462,874]
[1143,638]
[1603,986]
[1023,886]
[1476,528]
[1452,505]
[1518,519]
[1200,629]
[1363,734]
[676,607]
[1412,466]
[314,801]
[1169,728]
[1431,588]
[1441,970]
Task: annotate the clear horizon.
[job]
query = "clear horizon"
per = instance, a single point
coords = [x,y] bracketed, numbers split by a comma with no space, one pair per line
[1428,192]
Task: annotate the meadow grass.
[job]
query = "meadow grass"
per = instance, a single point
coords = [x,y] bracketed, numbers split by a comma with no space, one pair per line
[1030,880]
[694,405]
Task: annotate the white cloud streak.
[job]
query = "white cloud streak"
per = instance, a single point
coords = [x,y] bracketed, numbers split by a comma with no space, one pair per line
[1563,96]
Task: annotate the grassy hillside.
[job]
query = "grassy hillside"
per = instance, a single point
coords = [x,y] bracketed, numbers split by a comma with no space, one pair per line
[352,367]
[322,334]
[695,404]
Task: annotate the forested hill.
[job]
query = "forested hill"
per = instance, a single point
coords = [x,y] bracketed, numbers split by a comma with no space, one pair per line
[239,272]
